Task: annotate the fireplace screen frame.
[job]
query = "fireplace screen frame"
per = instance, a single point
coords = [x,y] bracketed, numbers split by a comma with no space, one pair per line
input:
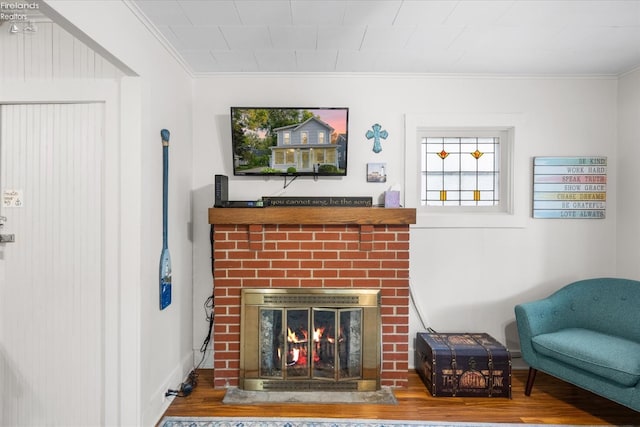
[366,302]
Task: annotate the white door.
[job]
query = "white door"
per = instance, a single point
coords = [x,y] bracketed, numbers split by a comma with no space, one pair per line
[51,314]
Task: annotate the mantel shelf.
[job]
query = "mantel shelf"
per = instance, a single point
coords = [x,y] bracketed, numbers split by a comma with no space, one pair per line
[312,215]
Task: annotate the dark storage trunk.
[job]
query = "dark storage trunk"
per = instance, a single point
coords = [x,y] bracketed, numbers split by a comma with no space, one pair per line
[463,364]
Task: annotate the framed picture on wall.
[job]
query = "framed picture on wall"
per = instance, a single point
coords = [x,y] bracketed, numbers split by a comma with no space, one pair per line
[376,172]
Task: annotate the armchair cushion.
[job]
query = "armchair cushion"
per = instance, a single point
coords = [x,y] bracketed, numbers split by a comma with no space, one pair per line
[605,355]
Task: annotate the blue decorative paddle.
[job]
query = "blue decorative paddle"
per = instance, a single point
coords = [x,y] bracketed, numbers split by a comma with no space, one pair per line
[165,258]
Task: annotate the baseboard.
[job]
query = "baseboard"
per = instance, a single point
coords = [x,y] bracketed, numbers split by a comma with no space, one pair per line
[158,403]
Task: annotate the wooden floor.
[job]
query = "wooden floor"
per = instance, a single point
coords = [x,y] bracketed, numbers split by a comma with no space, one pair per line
[551,402]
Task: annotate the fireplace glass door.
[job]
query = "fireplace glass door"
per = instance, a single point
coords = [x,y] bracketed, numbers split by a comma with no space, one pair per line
[310,343]
[310,339]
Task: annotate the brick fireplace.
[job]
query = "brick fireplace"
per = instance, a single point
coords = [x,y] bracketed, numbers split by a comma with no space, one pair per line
[312,248]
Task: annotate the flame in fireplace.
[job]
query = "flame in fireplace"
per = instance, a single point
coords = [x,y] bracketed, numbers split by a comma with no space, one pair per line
[318,334]
[295,338]
[297,354]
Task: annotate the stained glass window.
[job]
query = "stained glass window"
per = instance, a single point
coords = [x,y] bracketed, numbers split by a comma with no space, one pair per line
[460,170]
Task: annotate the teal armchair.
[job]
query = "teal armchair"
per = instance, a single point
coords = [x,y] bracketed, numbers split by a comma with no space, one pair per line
[587,333]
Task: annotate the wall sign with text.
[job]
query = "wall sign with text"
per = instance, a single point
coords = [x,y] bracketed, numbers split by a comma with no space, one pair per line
[569,187]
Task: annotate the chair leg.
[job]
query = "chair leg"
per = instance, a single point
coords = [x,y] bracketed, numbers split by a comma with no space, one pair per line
[530,379]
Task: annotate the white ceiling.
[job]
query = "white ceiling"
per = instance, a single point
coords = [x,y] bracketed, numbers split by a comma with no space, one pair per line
[515,37]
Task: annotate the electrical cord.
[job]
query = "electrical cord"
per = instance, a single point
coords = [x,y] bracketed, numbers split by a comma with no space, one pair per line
[415,305]
[208,305]
[192,381]
[185,388]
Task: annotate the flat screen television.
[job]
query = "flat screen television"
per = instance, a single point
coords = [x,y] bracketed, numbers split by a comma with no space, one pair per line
[289,141]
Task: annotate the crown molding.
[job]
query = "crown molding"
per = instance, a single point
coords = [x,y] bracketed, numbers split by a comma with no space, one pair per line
[158,35]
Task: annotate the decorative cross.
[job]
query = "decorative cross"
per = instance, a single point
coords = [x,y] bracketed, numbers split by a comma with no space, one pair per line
[376,134]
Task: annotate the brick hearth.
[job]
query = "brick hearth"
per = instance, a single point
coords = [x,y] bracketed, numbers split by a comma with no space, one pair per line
[287,248]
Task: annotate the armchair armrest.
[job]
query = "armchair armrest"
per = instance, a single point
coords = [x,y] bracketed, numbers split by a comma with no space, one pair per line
[535,318]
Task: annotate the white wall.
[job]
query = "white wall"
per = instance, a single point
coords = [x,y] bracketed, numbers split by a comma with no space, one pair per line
[156,345]
[50,53]
[628,226]
[464,279]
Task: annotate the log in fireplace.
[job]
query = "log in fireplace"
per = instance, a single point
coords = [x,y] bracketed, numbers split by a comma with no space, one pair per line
[310,339]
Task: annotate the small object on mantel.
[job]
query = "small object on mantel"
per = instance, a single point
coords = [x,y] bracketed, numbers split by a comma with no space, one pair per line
[392,199]
[392,196]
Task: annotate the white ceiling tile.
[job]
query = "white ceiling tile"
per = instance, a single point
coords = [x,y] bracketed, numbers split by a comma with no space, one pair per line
[372,12]
[529,14]
[503,61]
[356,61]
[164,13]
[171,37]
[439,61]
[394,61]
[340,37]
[535,61]
[592,38]
[195,38]
[247,37]
[261,12]
[318,12]
[610,61]
[216,12]
[420,12]
[572,13]
[298,37]
[199,60]
[271,60]
[610,13]
[316,60]
[391,37]
[478,12]
[241,61]
[496,38]
[433,37]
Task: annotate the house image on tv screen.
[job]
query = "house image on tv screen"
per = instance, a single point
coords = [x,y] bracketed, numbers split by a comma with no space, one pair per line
[307,147]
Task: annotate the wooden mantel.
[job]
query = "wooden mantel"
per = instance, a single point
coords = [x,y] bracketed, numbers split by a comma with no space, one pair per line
[312,215]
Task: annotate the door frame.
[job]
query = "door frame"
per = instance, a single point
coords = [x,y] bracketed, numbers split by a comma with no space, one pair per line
[122,186]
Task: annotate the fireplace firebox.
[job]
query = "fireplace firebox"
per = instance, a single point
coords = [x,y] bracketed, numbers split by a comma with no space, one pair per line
[310,339]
